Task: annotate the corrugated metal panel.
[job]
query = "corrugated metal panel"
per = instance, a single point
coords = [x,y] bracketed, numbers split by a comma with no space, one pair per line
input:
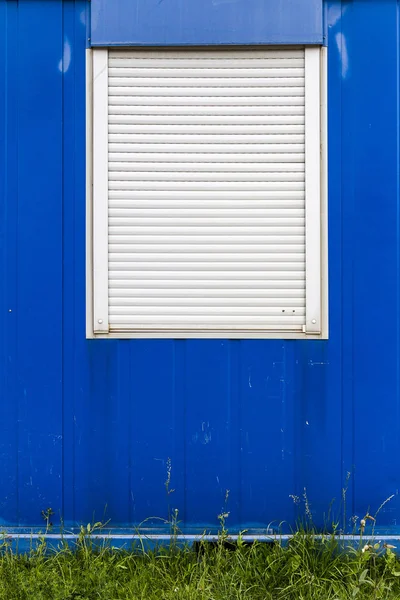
[86,427]
[163,270]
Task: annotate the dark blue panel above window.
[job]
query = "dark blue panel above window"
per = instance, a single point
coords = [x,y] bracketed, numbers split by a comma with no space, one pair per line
[202,22]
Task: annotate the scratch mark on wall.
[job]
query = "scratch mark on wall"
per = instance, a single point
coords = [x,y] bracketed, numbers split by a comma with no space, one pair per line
[207,438]
[56,437]
[65,61]
[344,56]
[311,363]
[205,427]
[335,13]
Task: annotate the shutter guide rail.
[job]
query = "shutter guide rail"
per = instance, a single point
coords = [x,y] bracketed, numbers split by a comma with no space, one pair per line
[313,190]
[100,191]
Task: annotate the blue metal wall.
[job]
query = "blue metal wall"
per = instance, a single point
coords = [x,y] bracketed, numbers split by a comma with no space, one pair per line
[86,425]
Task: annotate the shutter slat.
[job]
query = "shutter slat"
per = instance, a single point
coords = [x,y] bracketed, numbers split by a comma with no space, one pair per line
[191,221]
[238,188]
[126,98]
[203,193]
[196,137]
[216,265]
[207,161]
[217,171]
[217,319]
[273,304]
[217,276]
[205,64]
[148,294]
[223,231]
[183,73]
[206,189]
[126,173]
[215,129]
[199,91]
[235,120]
[155,243]
[204,247]
[269,113]
[180,257]
[208,311]
[205,213]
[290,206]
[220,80]
[173,286]
[215,55]
[128,184]
[194,287]
[227,146]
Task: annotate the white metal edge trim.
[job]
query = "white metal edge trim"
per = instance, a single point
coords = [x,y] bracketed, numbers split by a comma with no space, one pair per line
[89,196]
[212,334]
[100,190]
[313,190]
[324,195]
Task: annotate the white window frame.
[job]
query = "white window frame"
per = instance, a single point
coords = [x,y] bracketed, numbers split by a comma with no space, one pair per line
[316,204]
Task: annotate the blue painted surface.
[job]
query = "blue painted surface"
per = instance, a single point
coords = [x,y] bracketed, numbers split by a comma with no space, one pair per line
[88,426]
[198,22]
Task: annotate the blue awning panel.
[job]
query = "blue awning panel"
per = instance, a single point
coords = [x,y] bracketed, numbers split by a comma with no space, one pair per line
[203,22]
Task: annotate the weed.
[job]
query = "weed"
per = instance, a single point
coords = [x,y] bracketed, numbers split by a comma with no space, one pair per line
[312,566]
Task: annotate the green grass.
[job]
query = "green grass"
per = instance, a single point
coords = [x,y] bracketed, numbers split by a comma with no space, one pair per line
[309,567]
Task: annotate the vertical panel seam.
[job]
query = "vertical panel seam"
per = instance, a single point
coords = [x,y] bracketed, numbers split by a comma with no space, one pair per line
[398,215]
[16,246]
[63,263]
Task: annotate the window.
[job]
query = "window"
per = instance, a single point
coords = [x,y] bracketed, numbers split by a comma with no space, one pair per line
[206,193]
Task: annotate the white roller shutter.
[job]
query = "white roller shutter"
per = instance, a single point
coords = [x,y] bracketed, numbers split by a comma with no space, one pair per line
[200,191]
